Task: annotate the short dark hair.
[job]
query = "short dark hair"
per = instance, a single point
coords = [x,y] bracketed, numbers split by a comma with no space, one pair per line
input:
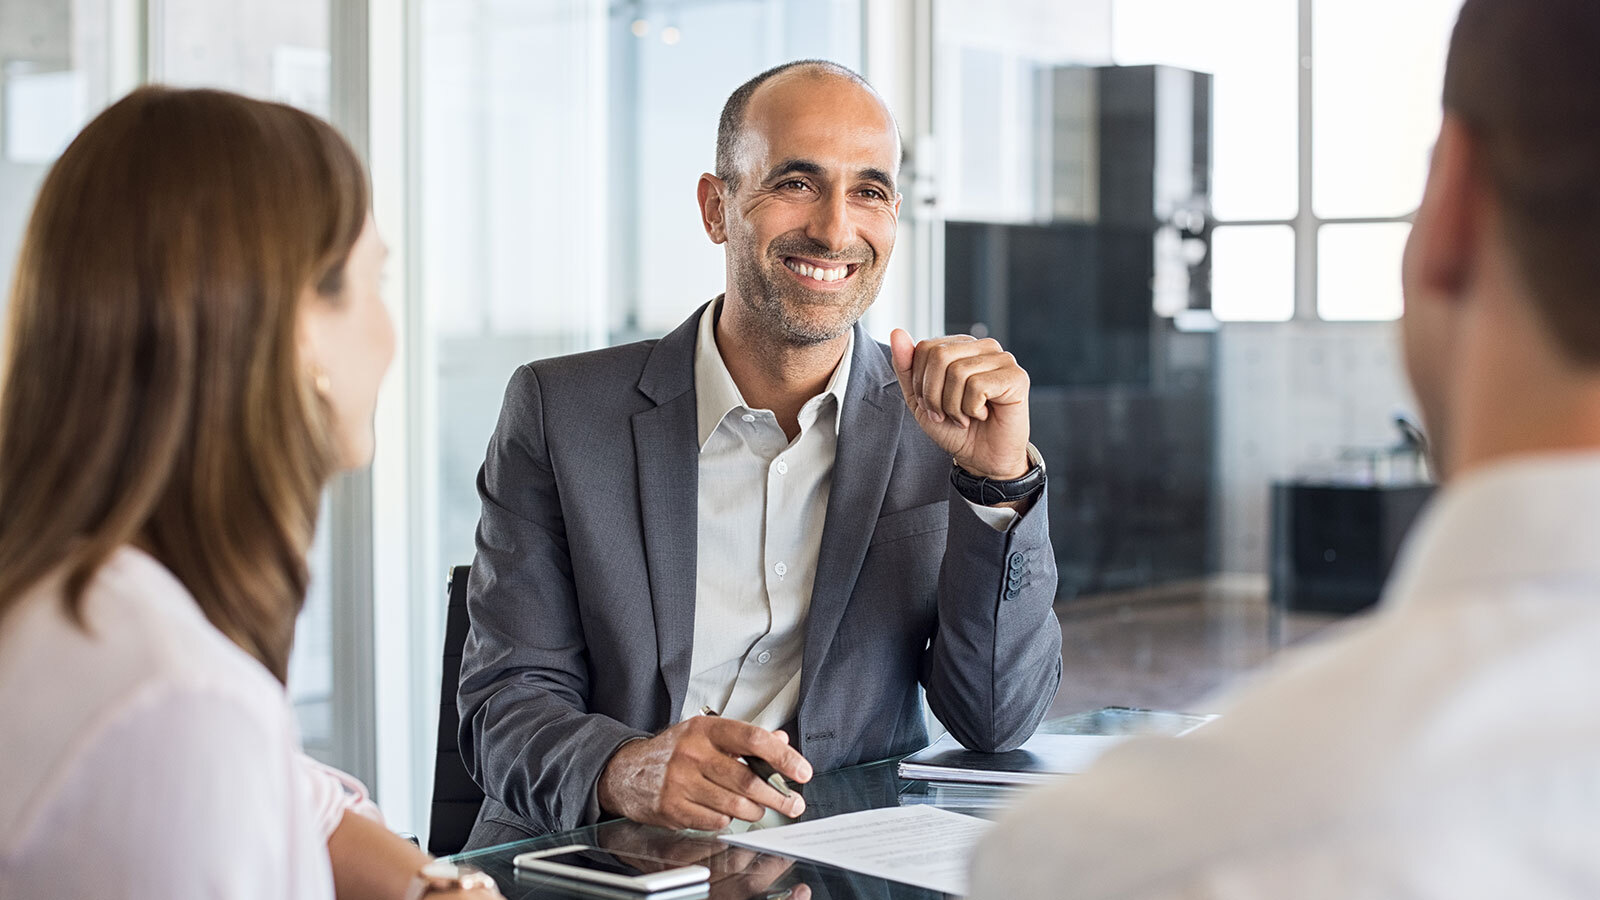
[1523,76]
[731,126]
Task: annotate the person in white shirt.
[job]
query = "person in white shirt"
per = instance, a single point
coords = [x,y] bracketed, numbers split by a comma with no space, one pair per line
[195,346]
[1450,746]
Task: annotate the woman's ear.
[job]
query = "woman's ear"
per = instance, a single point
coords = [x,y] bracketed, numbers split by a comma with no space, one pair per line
[311,337]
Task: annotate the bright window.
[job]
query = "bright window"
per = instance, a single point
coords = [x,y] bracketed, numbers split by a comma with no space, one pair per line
[1358,270]
[1375,67]
[1375,102]
[1252,273]
[1249,47]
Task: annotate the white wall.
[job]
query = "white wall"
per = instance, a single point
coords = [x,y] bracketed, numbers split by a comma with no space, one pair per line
[1291,397]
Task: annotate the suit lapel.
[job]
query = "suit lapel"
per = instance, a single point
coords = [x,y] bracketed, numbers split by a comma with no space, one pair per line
[869,434]
[667,453]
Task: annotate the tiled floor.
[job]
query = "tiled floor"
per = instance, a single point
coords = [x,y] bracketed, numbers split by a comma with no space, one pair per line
[1170,647]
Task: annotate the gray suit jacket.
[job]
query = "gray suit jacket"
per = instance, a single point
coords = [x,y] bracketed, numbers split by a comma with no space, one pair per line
[582,596]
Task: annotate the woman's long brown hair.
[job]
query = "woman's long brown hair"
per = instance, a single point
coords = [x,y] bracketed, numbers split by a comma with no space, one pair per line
[153,392]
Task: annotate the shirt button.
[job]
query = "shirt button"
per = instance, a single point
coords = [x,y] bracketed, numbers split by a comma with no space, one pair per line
[765,657]
[781,569]
[782,467]
[748,418]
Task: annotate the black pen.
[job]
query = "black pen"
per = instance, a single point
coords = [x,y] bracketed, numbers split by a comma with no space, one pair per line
[761,767]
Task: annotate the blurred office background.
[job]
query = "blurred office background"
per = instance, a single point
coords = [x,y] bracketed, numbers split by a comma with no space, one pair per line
[1185,216]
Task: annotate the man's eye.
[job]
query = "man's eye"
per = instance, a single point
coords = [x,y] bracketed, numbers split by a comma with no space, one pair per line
[874,194]
[795,184]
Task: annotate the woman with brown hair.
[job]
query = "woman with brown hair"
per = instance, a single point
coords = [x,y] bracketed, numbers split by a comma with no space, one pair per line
[195,345]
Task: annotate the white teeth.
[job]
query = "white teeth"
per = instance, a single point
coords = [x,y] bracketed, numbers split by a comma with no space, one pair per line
[817,272]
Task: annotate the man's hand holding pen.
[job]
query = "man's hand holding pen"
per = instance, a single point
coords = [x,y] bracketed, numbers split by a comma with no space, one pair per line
[692,775]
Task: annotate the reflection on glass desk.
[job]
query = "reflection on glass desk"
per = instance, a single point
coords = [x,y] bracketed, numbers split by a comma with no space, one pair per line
[739,874]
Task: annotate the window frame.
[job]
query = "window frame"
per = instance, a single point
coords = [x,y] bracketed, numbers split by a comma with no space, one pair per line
[1306,224]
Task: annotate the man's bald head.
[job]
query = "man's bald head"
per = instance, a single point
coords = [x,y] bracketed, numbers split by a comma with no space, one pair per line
[731,126]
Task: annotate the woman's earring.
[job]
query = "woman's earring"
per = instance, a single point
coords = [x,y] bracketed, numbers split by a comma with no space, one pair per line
[320,381]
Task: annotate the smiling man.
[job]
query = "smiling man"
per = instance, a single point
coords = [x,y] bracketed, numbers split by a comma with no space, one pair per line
[765,513]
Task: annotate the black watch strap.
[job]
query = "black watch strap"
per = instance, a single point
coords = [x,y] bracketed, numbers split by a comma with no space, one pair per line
[989,491]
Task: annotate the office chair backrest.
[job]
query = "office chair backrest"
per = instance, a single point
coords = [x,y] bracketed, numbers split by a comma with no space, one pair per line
[456,797]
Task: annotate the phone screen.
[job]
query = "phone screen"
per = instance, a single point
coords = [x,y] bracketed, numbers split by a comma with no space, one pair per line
[594,861]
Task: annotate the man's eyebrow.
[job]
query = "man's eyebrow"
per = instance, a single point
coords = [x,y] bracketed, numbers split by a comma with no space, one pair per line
[807,167]
[794,167]
[879,176]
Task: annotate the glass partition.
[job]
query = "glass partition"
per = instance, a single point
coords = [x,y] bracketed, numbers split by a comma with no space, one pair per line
[561,144]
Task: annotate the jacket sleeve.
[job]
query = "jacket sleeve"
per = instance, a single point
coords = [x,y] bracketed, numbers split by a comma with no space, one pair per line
[526,734]
[994,663]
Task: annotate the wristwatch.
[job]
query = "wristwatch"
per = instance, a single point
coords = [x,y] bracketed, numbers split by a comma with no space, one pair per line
[440,875]
[989,491]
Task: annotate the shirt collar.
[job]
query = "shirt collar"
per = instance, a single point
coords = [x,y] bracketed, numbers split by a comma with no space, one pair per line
[1532,518]
[716,394]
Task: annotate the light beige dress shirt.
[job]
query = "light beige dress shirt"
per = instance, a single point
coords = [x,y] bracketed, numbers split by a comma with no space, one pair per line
[763,502]
[1448,747]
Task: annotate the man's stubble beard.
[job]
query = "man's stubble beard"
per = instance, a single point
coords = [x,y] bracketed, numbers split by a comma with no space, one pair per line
[774,297]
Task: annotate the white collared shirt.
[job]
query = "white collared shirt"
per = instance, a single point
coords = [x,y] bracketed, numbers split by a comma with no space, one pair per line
[1448,746]
[148,756]
[763,500]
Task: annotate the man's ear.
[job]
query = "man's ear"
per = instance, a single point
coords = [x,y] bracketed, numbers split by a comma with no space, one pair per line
[1450,221]
[710,193]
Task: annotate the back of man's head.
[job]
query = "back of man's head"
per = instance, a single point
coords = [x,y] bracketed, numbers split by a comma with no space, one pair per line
[1524,77]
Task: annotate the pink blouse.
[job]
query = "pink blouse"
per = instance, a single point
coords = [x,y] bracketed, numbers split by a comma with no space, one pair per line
[148,756]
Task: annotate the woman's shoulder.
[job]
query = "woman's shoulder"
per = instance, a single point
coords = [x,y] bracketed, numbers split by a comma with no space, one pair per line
[139,624]
[144,662]
[181,792]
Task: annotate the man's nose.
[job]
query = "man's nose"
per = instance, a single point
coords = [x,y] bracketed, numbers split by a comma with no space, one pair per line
[830,223]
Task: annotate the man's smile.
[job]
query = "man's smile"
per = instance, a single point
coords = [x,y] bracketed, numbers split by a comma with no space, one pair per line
[820,274]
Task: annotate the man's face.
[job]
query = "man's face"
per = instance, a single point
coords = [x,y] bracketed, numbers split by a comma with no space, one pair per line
[812,219]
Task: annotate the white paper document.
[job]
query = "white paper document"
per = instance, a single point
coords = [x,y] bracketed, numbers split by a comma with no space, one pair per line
[918,845]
